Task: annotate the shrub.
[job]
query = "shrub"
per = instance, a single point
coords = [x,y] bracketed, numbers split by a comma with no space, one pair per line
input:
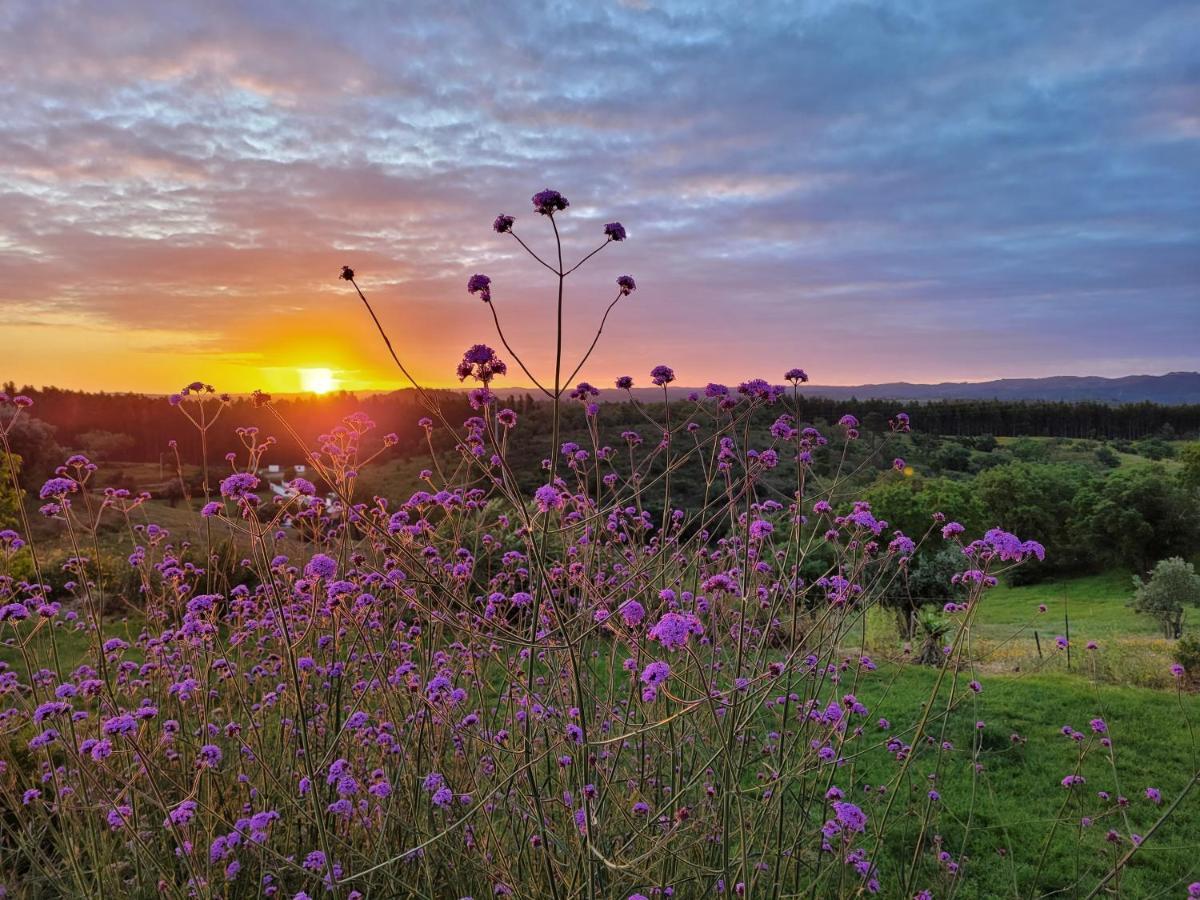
[1173,585]
[1186,653]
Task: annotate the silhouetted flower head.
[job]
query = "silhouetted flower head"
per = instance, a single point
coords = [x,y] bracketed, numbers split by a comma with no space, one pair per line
[626,284]
[796,376]
[615,231]
[662,375]
[583,390]
[481,285]
[481,363]
[347,273]
[503,224]
[548,202]
[625,382]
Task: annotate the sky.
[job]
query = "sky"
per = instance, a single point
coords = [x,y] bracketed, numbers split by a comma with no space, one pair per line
[874,191]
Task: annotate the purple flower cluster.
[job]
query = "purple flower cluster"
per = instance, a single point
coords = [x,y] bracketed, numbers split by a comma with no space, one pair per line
[549,202]
[481,363]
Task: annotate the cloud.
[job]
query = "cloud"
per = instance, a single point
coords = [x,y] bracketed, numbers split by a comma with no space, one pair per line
[874,190]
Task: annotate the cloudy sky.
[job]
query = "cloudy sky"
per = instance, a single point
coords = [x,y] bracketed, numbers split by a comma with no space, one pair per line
[875,191]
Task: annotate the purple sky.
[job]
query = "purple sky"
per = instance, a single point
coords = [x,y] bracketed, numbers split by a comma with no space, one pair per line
[874,191]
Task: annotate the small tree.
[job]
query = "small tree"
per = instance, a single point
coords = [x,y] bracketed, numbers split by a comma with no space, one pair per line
[934,631]
[1173,584]
[927,583]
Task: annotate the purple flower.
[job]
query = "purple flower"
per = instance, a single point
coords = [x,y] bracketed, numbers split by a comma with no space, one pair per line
[850,816]
[481,363]
[633,613]
[50,709]
[301,486]
[655,673]
[121,724]
[615,231]
[626,284]
[58,487]
[180,815]
[760,528]
[503,224]
[45,739]
[674,629]
[759,389]
[548,497]
[549,202]
[662,375]
[321,566]
[624,383]
[1153,795]
[481,285]
[583,390]
[239,485]
[796,376]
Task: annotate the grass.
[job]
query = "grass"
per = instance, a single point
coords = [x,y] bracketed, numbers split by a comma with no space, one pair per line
[72,644]
[1018,796]
[1097,606]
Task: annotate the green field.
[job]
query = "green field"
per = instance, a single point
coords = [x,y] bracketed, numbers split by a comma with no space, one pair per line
[1018,795]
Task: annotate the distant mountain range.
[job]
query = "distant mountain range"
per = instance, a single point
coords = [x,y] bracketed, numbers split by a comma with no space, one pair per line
[1172,388]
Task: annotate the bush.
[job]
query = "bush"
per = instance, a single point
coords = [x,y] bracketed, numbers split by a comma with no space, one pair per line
[1187,654]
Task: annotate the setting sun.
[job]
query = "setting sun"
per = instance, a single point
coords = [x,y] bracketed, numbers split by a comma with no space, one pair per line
[317,381]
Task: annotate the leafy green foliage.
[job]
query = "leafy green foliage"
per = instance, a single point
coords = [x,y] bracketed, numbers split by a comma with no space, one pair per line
[1189,457]
[1136,516]
[1173,585]
[1038,499]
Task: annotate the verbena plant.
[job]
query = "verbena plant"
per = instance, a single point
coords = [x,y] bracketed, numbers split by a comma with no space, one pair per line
[583,690]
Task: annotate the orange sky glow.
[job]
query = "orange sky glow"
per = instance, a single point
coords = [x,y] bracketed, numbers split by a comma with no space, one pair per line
[904,200]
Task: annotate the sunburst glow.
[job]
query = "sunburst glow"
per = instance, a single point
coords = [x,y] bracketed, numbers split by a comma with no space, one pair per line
[317,381]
